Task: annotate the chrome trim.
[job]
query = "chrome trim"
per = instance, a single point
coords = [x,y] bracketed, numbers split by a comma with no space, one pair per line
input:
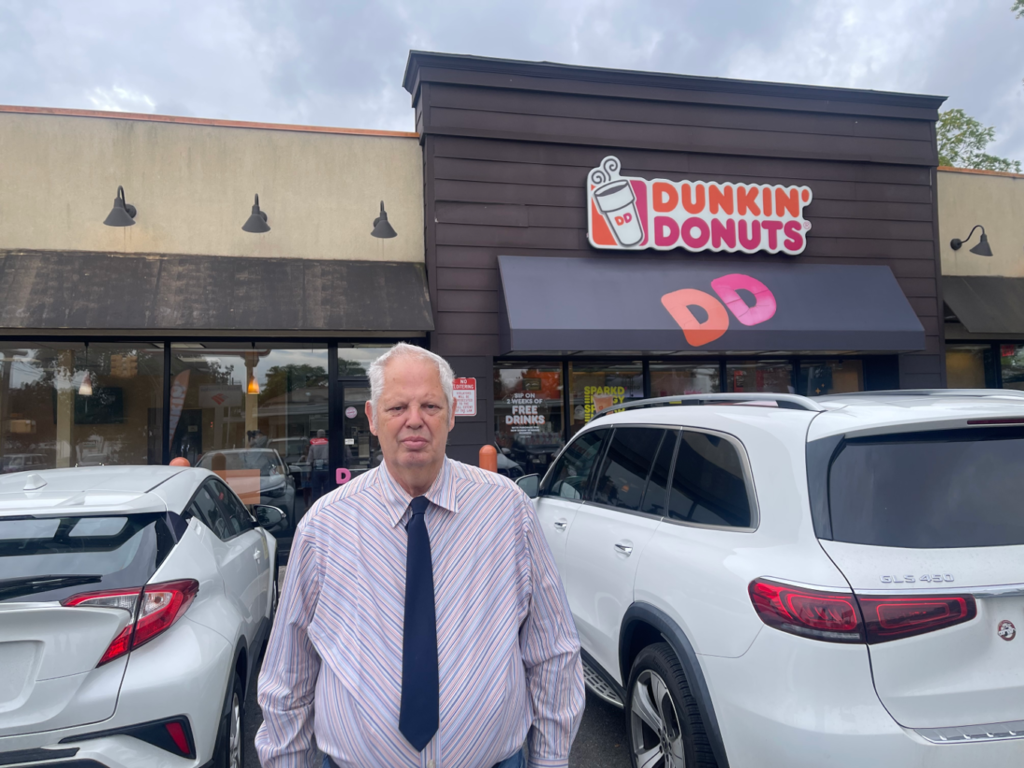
[624,549]
[950,588]
[1013,729]
[803,403]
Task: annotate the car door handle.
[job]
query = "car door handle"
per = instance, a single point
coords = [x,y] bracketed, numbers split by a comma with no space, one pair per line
[561,525]
[624,549]
[256,555]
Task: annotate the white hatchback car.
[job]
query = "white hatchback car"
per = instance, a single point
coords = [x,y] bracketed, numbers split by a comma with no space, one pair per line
[823,582]
[134,603]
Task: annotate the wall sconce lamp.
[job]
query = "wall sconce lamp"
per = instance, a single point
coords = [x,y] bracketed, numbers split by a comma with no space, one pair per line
[982,248]
[381,228]
[122,214]
[257,222]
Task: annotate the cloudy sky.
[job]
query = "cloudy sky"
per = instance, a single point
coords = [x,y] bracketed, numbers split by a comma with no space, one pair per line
[340,62]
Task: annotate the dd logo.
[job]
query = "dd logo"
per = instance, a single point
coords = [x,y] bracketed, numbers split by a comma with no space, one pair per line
[623,219]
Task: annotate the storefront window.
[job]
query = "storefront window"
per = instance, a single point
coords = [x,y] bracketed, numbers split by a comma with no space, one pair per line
[967,365]
[1011,358]
[830,376]
[592,388]
[759,376]
[528,418]
[67,405]
[254,415]
[695,379]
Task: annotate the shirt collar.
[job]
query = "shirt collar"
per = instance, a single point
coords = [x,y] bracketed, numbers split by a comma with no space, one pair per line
[441,492]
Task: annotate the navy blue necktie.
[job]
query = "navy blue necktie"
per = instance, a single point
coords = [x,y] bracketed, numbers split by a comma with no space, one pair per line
[418,717]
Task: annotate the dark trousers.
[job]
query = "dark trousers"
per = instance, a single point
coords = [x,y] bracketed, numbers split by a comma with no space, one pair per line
[319,483]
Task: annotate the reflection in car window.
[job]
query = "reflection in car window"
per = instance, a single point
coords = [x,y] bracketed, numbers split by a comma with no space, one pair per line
[656,495]
[267,461]
[623,476]
[232,508]
[212,514]
[570,475]
[708,486]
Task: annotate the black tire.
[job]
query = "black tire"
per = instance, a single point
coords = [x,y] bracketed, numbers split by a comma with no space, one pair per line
[662,715]
[230,749]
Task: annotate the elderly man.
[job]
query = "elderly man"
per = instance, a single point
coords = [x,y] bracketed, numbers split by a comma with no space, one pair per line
[423,623]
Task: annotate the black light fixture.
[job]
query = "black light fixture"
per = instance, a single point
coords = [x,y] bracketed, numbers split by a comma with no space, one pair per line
[381,228]
[257,222]
[981,248]
[122,214]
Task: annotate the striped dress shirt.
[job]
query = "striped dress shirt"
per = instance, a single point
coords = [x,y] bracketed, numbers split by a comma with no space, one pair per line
[508,653]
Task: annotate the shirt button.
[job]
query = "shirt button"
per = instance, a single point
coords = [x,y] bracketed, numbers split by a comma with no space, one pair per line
[430,764]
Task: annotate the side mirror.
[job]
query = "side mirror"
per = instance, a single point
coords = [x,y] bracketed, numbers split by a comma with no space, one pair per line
[530,484]
[270,518]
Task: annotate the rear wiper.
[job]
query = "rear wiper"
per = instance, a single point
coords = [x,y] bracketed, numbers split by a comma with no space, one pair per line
[30,585]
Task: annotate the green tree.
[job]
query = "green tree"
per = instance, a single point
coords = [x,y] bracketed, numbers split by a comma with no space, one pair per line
[962,141]
[1018,8]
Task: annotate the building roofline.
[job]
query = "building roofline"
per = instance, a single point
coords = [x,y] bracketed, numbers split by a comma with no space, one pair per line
[981,172]
[143,117]
[546,69]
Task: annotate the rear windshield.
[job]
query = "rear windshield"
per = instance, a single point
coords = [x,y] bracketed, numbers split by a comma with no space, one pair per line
[952,488]
[50,558]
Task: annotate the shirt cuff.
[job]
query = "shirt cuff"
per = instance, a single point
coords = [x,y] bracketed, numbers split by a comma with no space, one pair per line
[547,762]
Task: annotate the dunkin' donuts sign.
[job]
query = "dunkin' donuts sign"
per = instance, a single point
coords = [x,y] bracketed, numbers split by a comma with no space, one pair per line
[627,213]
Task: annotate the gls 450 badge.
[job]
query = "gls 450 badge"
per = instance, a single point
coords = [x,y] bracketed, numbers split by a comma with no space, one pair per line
[930,578]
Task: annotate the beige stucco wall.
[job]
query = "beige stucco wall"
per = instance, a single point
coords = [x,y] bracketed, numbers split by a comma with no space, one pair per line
[193,186]
[995,202]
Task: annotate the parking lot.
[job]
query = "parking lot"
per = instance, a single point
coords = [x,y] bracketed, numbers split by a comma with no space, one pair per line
[600,743]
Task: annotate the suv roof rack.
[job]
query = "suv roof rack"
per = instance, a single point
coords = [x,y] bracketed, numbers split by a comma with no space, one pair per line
[928,393]
[792,402]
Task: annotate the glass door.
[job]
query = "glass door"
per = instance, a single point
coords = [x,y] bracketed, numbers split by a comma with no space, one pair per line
[362,449]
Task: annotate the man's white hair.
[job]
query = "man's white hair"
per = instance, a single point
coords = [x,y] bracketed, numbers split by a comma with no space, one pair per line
[376,373]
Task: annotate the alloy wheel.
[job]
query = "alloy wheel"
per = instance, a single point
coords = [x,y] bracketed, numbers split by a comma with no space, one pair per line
[656,732]
[235,739]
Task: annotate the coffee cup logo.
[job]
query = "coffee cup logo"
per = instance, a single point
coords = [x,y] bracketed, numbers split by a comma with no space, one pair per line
[616,200]
[626,213]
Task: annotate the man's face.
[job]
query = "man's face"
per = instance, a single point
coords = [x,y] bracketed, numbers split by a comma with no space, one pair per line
[413,419]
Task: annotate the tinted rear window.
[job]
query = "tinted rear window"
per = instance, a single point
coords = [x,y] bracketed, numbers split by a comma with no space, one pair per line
[627,464]
[708,484]
[49,558]
[924,490]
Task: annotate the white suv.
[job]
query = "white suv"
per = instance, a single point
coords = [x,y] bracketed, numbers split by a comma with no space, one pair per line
[134,603]
[821,582]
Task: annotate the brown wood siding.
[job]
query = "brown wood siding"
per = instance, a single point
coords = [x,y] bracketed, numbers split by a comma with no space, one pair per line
[508,158]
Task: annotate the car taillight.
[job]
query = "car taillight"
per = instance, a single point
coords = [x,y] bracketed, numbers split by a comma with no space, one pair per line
[841,617]
[154,609]
[892,618]
[829,616]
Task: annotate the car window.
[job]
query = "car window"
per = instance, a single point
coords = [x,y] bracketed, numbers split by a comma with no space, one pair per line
[627,463]
[929,490]
[209,511]
[656,496]
[265,460]
[708,484]
[232,508]
[571,473]
[49,558]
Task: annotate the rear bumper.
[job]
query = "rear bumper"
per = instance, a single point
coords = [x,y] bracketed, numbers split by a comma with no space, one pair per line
[801,703]
[184,672]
